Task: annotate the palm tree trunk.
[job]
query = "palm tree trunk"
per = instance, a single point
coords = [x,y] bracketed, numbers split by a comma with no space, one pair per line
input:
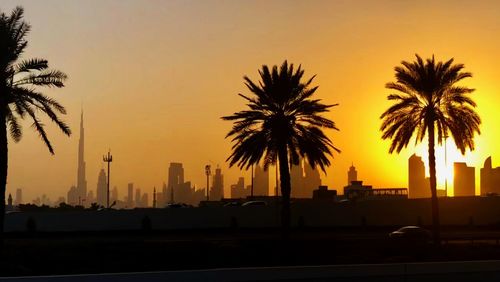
[434,199]
[3,171]
[285,189]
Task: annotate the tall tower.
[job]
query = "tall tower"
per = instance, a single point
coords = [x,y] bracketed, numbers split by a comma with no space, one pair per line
[81,182]
[352,175]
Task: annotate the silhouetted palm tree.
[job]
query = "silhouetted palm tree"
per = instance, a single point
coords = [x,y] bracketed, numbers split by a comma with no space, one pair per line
[282,123]
[19,97]
[429,102]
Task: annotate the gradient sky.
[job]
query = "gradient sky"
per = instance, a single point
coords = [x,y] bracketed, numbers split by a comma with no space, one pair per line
[154,78]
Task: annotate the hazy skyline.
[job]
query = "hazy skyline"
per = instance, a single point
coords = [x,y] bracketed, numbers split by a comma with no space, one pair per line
[154,78]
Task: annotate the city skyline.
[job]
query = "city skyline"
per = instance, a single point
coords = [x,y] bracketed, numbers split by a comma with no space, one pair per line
[196,136]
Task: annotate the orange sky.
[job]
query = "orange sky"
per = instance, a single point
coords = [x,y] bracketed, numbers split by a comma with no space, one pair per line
[154,78]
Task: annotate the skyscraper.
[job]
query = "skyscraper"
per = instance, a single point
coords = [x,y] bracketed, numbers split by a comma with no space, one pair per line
[464,183]
[19,196]
[138,198]
[217,191]
[81,182]
[102,189]
[352,175]
[130,196]
[261,182]
[175,183]
[490,178]
[311,182]
[418,184]
[238,190]
[304,180]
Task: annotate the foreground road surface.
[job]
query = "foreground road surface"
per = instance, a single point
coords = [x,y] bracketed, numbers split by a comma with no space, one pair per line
[439,271]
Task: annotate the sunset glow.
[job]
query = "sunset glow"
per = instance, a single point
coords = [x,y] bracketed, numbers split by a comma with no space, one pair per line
[154,78]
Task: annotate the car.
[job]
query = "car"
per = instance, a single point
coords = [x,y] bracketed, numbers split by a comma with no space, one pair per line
[411,234]
[254,203]
[232,204]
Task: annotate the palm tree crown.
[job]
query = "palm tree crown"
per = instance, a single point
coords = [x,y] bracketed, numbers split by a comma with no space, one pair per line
[18,81]
[282,115]
[427,94]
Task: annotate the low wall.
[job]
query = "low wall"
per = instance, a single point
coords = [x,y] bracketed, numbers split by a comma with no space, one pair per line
[454,211]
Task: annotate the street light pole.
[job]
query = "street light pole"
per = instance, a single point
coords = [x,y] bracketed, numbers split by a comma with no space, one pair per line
[207,172]
[108,159]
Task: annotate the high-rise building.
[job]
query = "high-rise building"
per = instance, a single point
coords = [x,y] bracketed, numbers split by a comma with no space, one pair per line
[418,184]
[238,190]
[145,200]
[464,181]
[81,182]
[217,190]
[114,195]
[130,195]
[311,182]
[138,198]
[490,178]
[304,180]
[178,190]
[72,196]
[102,189]
[261,182]
[19,196]
[90,197]
[352,175]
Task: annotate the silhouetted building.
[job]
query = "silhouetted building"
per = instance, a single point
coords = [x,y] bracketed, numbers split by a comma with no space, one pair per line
[90,197]
[114,195]
[178,190]
[322,193]
[81,182]
[217,190]
[238,190]
[72,196]
[418,184]
[138,198]
[19,196]
[490,178]
[145,200]
[130,195]
[102,189]
[261,182]
[464,181]
[312,180]
[304,179]
[352,174]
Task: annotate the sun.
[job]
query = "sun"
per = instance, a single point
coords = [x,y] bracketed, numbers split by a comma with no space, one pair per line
[446,155]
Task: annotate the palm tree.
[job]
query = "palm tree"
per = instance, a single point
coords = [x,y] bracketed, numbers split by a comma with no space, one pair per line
[282,124]
[428,102]
[19,97]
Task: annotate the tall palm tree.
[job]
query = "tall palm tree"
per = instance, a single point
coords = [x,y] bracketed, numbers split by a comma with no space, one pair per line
[428,102]
[19,97]
[282,123]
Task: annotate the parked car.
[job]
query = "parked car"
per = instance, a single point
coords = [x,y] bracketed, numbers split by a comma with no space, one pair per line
[254,203]
[411,234]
